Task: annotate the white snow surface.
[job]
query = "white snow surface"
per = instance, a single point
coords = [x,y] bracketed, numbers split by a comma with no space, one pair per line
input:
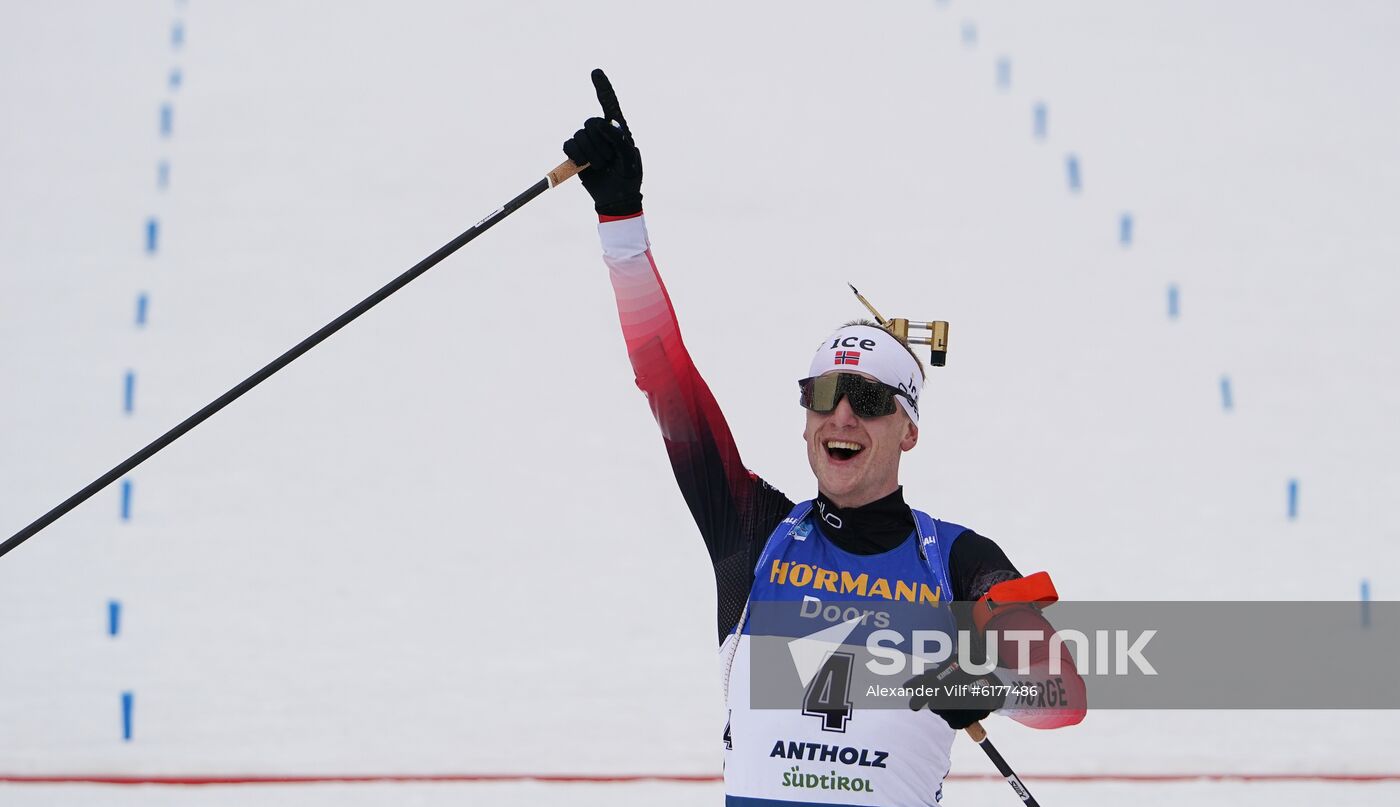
[448,540]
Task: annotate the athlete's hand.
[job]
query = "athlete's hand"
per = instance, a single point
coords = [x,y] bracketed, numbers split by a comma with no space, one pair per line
[955,695]
[614,173]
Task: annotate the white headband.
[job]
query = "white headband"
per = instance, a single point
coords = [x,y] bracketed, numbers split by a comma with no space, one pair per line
[875,352]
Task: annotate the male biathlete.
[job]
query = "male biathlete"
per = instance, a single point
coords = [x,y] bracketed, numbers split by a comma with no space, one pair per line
[856,541]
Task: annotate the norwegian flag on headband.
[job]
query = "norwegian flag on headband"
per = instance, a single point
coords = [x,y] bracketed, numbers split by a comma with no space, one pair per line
[873,351]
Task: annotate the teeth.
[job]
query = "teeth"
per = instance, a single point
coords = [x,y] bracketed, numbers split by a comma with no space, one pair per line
[843,444]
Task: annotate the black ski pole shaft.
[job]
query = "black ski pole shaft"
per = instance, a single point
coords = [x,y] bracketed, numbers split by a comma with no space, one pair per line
[565,170]
[979,735]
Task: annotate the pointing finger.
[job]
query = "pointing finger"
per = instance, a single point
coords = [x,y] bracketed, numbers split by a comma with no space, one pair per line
[608,98]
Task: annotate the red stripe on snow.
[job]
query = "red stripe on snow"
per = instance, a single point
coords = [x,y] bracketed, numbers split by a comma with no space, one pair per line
[609,778]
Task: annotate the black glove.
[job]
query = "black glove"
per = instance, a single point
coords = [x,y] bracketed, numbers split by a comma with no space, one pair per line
[956,695]
[614,173]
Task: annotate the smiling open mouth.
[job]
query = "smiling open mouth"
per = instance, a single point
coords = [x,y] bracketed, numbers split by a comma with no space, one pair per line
[842,450]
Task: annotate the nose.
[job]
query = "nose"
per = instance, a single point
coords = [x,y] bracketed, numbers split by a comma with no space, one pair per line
[843,415]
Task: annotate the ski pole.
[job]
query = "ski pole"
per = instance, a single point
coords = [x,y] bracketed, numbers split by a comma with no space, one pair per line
[564,170]
[979,735]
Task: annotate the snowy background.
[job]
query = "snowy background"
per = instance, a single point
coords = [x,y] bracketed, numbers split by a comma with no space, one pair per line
[447,540]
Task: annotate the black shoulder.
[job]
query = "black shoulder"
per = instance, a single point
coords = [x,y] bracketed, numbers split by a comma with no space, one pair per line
[976,564]
[745,532]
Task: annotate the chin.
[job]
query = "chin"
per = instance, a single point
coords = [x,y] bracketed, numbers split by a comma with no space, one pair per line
[837,487]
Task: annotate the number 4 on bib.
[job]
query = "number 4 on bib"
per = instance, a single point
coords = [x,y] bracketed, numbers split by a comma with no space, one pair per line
[829,695]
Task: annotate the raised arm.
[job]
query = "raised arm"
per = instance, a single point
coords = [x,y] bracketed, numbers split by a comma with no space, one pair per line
[734,509]
[728,502]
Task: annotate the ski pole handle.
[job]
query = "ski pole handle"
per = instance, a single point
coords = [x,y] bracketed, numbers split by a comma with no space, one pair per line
[563,171]
[979,736]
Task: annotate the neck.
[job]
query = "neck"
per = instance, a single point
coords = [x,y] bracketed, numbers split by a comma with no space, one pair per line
[867,528]
[858,500]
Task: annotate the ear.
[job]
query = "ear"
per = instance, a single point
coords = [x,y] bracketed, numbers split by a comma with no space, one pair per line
[911,436]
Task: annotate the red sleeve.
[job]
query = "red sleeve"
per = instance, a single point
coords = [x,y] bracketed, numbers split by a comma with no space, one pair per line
[734,509]
[1060,698]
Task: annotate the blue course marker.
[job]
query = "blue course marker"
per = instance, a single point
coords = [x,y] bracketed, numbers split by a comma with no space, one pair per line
[128,703]
[969,32]
[176,76]
[177,34]
[1072,173]
[152,229]
[1004,73]
[1227,397]
[129,392]
[143,304]
[163,174]
[1292,499]
[1365,603]
[126,500]
[114,617]
[1125,229]
[1173,302]
[1040,123]
[167,119]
